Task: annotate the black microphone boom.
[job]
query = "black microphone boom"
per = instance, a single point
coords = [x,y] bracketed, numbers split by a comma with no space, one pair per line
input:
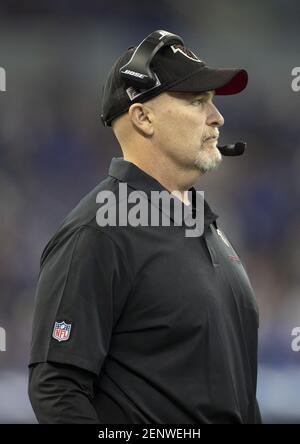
[232,150]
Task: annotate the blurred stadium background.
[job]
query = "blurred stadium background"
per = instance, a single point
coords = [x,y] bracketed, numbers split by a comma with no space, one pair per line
[53,150]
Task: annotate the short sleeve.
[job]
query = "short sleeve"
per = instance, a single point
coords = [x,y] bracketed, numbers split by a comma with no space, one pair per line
[82,288]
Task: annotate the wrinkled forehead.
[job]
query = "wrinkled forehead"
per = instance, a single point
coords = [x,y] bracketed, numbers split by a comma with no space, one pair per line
[170,98]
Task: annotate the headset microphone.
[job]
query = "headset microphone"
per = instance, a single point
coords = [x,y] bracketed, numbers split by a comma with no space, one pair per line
[232,150]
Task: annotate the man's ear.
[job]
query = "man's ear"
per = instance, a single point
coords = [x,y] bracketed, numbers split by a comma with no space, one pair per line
[141,117]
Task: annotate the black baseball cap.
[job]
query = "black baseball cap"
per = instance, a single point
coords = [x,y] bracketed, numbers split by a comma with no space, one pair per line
[176,69]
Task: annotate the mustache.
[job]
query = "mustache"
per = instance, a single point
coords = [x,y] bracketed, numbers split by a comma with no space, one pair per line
[213,135]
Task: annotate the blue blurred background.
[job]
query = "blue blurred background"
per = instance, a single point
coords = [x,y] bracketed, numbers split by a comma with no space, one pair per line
[54,149]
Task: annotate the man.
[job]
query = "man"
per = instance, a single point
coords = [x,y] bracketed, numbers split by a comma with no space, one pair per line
[143,324]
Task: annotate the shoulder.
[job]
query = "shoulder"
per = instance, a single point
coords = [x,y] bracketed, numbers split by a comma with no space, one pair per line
[80,227]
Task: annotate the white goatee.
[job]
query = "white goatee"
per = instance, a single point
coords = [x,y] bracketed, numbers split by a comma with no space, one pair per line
[208,159]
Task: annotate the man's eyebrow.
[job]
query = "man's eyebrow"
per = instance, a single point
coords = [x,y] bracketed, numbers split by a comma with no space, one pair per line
[191,95]
[204,94]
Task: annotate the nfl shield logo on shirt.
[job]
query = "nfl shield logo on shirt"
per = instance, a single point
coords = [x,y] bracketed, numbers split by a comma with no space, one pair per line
[61,331]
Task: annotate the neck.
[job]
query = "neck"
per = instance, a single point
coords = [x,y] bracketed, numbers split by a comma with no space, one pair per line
[172,177]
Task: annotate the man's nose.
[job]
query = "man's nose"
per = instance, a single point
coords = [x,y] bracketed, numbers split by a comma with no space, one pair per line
[214,117]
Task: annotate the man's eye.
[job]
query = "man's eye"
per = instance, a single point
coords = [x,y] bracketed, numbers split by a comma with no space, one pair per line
[197,101]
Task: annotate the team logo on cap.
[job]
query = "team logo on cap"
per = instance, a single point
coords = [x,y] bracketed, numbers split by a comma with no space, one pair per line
[186,52]
[61,331]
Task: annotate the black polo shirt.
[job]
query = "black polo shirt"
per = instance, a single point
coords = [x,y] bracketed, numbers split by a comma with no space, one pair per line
[166,323]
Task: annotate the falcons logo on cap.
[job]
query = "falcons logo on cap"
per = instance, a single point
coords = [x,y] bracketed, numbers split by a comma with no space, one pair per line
[186,52]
